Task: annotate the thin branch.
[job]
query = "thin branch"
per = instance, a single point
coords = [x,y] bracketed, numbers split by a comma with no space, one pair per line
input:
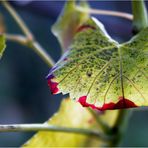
[29,40]
[18,20]
[42,53]
[119,127]
[33,45]
[17,38]
[53,128]
[106,12]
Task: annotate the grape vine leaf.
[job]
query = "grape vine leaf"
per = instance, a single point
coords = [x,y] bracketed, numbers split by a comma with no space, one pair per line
[99,72]
[66,117]
[2,45]
[70,18]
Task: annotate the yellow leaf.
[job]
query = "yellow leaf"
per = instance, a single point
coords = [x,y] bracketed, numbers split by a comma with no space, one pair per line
[71,114]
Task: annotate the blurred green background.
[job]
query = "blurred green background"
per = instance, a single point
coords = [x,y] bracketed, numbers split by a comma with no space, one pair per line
[24,94]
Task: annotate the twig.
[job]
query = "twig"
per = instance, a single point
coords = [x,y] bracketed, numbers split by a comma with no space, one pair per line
[119,127]
[34,45]
[106,12]
[28,40]
[46,127]
[42,53]
[17,38]
[18,20]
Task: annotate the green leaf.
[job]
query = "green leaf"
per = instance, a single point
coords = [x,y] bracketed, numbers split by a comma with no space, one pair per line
[67,23]
[100,73]
[71,114]
[2,45]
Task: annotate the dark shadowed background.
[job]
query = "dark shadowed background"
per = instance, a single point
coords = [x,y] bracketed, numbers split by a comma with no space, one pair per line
[24,94]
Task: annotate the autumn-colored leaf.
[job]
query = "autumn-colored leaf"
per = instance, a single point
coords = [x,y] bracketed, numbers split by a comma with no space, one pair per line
[72,114]
[99,72]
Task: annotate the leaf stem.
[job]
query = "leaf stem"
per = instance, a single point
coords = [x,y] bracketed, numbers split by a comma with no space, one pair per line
[119,127]
[53,128]
[106,12]
[140,18]
[42,53]
[104,126]
[28,39]
[17,38]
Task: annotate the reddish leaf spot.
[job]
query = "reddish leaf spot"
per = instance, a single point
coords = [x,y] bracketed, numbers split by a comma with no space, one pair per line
[85,27]
[52,85]
[121,104]
[124,103]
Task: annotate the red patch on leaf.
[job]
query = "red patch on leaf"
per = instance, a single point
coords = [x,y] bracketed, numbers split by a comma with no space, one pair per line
[121,104]
[52,85]
[85,27]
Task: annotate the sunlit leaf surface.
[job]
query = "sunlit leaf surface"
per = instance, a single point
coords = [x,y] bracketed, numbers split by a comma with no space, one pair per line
[71,114]
[100,73]
[2,45]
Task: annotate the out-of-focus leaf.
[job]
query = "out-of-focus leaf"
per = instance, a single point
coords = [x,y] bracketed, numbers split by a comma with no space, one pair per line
[2,44]
[101,73]
[68,22]
[2,24]
[71,114]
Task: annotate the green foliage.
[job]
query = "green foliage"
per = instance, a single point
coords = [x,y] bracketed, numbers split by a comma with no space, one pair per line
[72,114]
[2,45]
[101,73]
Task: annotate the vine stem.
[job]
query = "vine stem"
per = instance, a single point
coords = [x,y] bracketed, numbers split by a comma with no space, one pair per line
[47,127]
[28,40]
[103,125]
[17,38]
[140,19]
[18,20]
[119,127]
[106,12]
